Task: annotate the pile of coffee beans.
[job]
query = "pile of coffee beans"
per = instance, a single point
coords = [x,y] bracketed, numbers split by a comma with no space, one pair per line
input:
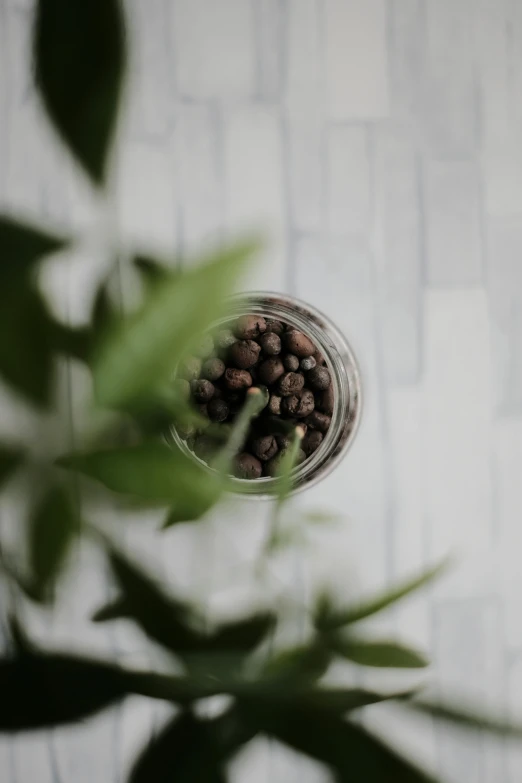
[254,351]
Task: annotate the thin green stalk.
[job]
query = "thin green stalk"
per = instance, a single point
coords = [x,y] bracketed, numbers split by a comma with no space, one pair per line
[256,400]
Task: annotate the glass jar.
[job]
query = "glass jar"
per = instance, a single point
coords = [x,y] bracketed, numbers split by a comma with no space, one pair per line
[345,375]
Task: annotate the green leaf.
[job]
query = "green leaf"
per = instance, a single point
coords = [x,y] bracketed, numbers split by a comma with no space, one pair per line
[152,271]
[10,459]
[114,611]
[297,665]
[152,471]
[349,750]
[71,341]
[347,700]
[145,350]
[328,618]
[21,246]
[26,352]
[241,636]
[382,654]
[52,528]
[80,63]
[189,750]
[467,718]
[44,690]
[188,509]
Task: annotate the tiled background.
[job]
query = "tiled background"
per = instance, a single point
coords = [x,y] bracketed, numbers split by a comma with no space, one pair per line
[379,144]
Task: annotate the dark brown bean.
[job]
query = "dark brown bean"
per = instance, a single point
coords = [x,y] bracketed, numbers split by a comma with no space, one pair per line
[270,343]
[202,390]
[274,326]
[237,379]
[264,448]
[247,466]
[213,369]
[319,358]
[290,383]
[218,410]
[318,421]
[311,441]
[307,364]
[300,404]
[250,326]
[319,378]
[274,404]
[299,344]
[270,370]
[244,353]
[291,362]
[325,400]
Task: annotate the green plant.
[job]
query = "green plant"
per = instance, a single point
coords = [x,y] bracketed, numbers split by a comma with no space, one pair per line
[131,358]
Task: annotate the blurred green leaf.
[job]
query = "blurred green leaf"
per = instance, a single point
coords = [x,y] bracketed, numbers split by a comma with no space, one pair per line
[345,700]
[80,63]
[378,653]
[44,690]
[114,611]
[241,636]
[10,459]
[152,471]
[21,246]
[144,351]
[153,271]
[349,750]
[298,665]
[467,718]
[189,750]
[26,348]
[71,341]
[329,618]
[52,528]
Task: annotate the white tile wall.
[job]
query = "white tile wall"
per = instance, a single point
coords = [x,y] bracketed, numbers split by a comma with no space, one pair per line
[377,142]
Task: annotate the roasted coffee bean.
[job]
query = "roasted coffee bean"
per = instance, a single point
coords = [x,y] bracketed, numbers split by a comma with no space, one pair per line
[205,346]
[244,353]
[273,467]
[250,326]
[237,379]
[183,388]
[190,368]
[298,344]
[274,404]
[325,400]
[235,401]
[213,369]
[202,390]
[283,441]
[270,343]
[299,405]
[218,410]
[307,364]
[225,338]
[274,326]
[291,362]
[318,421]
[270,370]
[319,358]
[247,466]
[311,441]
[319,378]
[203,411]
[264,448]
[290,383]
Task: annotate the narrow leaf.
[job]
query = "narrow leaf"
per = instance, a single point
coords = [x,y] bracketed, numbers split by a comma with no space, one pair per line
[342,701]
[80,63]
[297,665]
[151,271]
[114,611]
[242,635]
[352,614]
[382,654]
[40,691]
[10,459]
[151,471]
[467,718]
[145,350]
[52,528]
[21,246]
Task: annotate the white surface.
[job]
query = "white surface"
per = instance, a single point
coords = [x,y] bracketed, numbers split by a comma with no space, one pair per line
[378,143]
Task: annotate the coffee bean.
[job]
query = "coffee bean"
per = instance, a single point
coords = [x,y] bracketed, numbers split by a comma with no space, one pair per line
[270,370]
[319,358]
[237,379]
[225,338]
[247,466]
[325,400]
[300,404]
[299,344]
[202,390]
[319,378]
[264,448]
[205,346]
[213,369]
[190,368]
[318,421]
[274,404]
[291,362]
[235,401]
[311,441]
[203,411]
[273,467]
[218,410]
[183,388]
[250,326]
[244,353]
[307,364]
[270,343]
[290,383]
[274,326]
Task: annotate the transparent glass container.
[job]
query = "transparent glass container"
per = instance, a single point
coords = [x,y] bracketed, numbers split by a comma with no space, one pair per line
[345,375]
